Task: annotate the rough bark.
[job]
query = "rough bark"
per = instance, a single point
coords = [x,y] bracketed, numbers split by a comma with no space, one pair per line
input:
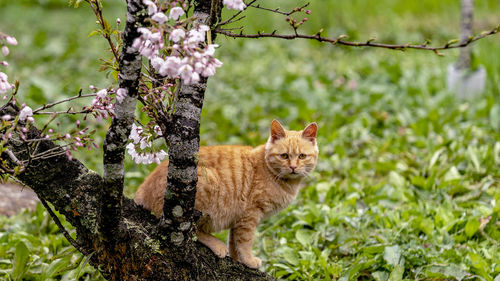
[183,140]
[116,138]
[140,247]
[139,250]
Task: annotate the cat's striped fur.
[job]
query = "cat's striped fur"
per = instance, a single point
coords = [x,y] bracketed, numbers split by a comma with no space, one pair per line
[239,186]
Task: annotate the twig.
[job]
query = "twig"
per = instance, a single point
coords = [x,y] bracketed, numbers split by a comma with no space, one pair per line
[230,20]
[61,227]
[13,157]
[49,105]
[277,10]
[368,43]
[98,12]
[62,112]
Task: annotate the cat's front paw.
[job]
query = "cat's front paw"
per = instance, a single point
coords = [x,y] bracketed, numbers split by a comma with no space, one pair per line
[252,262]
[220,250]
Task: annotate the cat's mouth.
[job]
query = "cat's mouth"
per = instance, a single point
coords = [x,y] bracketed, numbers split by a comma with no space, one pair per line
[294,175]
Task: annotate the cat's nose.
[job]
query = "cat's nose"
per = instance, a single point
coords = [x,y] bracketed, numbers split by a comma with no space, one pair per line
[293,168]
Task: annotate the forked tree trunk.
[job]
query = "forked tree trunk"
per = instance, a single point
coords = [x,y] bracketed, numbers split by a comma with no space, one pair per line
[124,241]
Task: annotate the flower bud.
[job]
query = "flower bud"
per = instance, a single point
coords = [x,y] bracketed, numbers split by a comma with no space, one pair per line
[5,50]
[11,40]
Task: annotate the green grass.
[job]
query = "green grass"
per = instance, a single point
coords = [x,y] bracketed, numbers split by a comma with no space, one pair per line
[407,183]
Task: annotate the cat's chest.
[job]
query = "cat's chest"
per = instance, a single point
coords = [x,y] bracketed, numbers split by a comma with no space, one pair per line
[274,198]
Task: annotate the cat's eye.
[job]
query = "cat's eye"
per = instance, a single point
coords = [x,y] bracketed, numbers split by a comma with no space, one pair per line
[284,156]
[302,156]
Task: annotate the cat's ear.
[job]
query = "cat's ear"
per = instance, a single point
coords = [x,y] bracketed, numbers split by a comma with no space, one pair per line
[310,132]
[277,131]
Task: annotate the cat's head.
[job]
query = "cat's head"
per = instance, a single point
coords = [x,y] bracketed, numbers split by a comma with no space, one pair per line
[291,154]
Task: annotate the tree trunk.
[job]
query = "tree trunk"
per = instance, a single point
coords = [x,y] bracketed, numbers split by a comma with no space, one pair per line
[124,241]
[466,21]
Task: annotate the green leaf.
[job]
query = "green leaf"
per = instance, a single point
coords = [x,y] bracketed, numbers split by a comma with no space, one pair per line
[427,226]
[396,179]
[380,275]
[472,227]
[450,271]
[477,261]
[495,117]
[397,273]
[291,256]
[305,237]
[435,157]
[55,267]
[21,258]
[452,174]
[392,255]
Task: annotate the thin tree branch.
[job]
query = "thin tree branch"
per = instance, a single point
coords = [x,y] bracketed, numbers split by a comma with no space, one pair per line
[62,112]
[230,20]
[61,227]
[97,9]
[49,105]
[368,43]
[277,10]
[117,135]
[65,183]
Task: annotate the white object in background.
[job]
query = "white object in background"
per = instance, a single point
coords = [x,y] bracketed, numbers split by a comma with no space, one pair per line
[464,82]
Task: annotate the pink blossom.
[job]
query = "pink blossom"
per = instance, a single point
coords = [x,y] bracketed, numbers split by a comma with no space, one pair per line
[4,84]
[102,93]
[176,12]
[145,157]
[148,43]
[68,154]
[157,130]
[210,67]
[188,75]
[234,4]
[4,63]
[135,133]
[171,67]
[159,18]
[6,117]
[152,8]
[5,50]
[157,62]
[121,93]
[25,113]
[197,35]
[177,34]
[144,143]
[210,49]
[11,40]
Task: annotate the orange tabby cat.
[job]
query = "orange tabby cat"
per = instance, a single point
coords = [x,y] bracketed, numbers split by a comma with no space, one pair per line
[239,186]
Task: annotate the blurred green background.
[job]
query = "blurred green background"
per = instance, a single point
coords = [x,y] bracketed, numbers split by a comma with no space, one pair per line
[406,187]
